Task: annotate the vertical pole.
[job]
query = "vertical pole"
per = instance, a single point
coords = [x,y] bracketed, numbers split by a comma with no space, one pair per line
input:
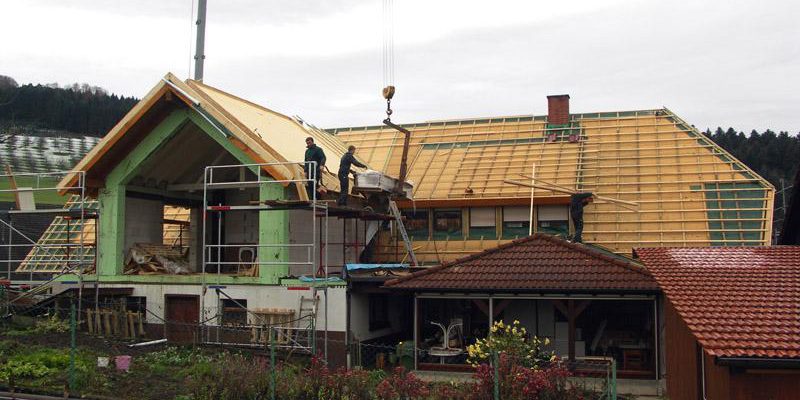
[613,379]
[530,218]
[416,328]
[10,238]
[205,257]
[72,346]
[199,55]
[495,362]
[272,362]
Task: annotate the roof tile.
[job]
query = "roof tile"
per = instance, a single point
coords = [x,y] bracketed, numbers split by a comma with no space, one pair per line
[538,262]
[737,301]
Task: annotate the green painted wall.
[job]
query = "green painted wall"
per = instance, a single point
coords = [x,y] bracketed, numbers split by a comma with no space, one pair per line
[273,228]
[273,225]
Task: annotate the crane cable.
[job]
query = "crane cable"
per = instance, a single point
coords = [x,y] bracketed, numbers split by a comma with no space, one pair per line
[388,55]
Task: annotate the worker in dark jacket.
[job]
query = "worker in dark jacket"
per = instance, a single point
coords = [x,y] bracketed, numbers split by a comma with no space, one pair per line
[313,153]
[576,203]
[348,160]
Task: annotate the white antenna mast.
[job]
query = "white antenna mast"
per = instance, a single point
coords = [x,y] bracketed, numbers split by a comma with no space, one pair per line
[199,55]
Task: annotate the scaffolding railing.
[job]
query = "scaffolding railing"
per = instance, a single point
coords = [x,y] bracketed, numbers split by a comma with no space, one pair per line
[68,251]
[254,176]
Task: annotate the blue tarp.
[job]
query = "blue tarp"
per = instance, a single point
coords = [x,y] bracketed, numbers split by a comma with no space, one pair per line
[366,267]
[332,279]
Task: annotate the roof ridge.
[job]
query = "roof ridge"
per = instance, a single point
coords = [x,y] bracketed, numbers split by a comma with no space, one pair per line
[473,119]
[596,253]
[237,98]
[448,264]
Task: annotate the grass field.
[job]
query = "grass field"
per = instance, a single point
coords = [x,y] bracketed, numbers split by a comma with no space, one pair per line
[43,197]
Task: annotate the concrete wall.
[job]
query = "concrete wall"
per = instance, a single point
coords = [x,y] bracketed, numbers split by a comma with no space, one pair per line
[257,296]
[241,226]
[359,316]
[143,221]
[301,232]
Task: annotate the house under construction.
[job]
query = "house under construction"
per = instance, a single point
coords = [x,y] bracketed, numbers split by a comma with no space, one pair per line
[687,190]
[203,220]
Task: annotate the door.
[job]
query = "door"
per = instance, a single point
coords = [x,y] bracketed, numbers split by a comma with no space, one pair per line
[182,314]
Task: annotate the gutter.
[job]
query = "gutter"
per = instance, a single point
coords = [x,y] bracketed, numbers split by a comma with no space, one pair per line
[759,363]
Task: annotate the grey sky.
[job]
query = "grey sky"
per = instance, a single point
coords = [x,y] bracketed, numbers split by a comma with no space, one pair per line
[715,63]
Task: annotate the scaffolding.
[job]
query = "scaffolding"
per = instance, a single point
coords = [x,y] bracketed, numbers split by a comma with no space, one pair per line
[254,176]
[59,252]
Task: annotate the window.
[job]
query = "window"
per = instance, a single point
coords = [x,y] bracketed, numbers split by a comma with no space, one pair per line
[234,314]
[516,221]
[553,220]
[136,304]
[378,312]
[416,223]
[447,224]
[482,223]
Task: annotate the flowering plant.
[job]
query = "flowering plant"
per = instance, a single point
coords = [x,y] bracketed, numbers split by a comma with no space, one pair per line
[511,340]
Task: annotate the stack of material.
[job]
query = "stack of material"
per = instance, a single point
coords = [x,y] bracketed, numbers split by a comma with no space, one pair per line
[280,320]
[156,258]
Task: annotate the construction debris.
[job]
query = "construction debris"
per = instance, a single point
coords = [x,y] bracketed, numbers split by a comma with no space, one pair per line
[156,258]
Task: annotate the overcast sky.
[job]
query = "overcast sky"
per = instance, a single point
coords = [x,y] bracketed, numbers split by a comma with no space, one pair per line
[714,63]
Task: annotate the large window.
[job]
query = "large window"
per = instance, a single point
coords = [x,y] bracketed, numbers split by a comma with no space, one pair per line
[482,223]
[553,219]
[516,221]
[447,224]
[416,224]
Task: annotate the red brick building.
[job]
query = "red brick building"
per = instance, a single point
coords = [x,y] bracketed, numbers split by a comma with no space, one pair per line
[732,321]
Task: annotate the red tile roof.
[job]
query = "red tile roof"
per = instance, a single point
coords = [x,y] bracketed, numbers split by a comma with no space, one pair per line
[535,263]
[737,301]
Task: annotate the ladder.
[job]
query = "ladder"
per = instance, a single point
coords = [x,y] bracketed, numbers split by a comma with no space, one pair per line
[402,229]
[306,321]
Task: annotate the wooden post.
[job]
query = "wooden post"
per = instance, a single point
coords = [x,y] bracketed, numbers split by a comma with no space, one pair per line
[571,335]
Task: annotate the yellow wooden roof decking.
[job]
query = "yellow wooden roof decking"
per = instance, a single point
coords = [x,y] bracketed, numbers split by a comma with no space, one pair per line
[651,157]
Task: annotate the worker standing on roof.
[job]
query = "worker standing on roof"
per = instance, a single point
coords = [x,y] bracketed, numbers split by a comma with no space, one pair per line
[313,153]
[576,203]
[348,160]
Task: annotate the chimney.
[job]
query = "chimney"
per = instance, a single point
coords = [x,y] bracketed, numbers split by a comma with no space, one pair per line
[558,109]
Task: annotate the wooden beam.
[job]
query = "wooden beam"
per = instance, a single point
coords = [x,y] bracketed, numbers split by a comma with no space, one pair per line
[483,202]
[499,308]
[483,306]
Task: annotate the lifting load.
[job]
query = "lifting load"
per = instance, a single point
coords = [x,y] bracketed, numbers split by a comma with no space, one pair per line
[376,182]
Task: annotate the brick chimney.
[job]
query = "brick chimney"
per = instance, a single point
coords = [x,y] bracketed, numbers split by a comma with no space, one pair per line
[558,109]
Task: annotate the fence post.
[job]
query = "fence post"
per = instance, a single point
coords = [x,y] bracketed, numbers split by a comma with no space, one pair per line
[495,362]
[613,379]
[72,347]
[272,361]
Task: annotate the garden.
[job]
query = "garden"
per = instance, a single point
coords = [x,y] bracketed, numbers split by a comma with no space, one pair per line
[35,358]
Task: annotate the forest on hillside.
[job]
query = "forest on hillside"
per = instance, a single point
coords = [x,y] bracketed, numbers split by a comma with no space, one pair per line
[77,108]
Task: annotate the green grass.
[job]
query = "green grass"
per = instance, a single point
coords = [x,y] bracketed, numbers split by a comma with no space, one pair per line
[43,197]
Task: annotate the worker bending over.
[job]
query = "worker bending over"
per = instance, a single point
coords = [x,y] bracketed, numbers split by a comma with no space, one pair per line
[313,153]
[348,160]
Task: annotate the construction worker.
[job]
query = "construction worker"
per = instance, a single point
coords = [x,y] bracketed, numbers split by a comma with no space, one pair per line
[576,203]
[313,153]
[348,160]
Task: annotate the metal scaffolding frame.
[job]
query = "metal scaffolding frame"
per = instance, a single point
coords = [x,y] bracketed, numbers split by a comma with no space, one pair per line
[74,212]
[319,235]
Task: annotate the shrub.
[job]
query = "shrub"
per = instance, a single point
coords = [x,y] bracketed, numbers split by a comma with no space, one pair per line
[512,340]
[401,385]
[231,377]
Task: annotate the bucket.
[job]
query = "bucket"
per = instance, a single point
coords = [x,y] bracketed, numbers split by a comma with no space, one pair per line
[123,363]
[102,362]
